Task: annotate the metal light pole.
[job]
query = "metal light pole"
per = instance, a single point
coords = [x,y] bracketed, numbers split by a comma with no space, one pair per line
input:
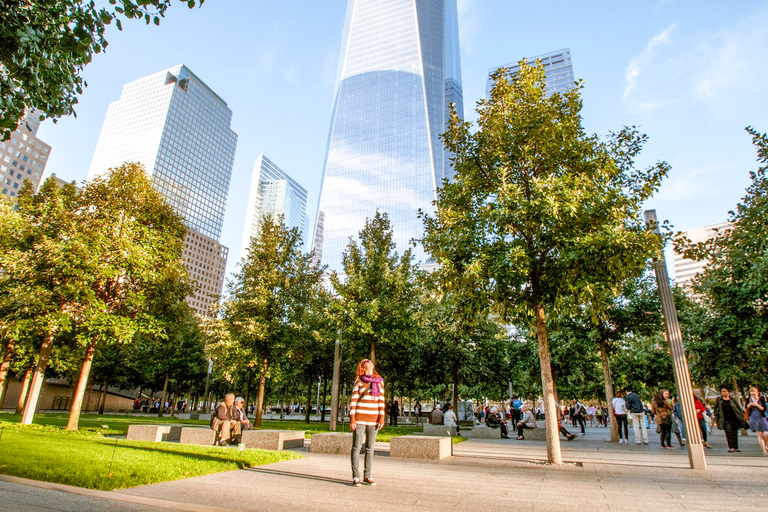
[335,384]
[682,375]
[206,398]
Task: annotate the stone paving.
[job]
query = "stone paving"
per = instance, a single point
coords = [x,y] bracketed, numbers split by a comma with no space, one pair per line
[483,474]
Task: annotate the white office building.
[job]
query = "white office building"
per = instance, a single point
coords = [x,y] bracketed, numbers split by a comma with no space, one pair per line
[686,269]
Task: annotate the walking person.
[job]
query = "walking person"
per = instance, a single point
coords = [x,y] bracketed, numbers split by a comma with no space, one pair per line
[620,413]
[662,410]
[636,410]
[417,410]
[701,412]
[366,417]
[579,411]
[756,409]
[728,414]
[676,422]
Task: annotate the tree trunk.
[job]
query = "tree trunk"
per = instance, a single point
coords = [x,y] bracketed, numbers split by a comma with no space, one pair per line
[103,397]
[262,383]
[737,392]
[309,399]
[4,366]
[608,380]
[24,390]
[373,353]
[161,409]
[82,382]
[37,380]
[456,388]
[554,455]
[172,403]
[282,405]
[325,392]
[248,392]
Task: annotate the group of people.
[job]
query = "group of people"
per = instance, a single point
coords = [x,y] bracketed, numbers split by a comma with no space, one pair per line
[229,420]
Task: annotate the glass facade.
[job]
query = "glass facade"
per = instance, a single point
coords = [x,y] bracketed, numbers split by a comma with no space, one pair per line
[557,67]
[398,70]
[23,157]
[274,193]
[179,129]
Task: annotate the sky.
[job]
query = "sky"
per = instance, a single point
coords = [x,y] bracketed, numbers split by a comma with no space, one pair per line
[689,74]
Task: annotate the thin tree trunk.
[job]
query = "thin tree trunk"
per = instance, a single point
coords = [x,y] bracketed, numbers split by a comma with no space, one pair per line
[4,366]
[554,454]
[325,392]
[172,403]
[248,393]
[262,383]
[608,380]
[456,387]
[103,397]
[24,390]
[373,353]
[37,380]
[282,405]
[309,400]
[161,409]
[82,382]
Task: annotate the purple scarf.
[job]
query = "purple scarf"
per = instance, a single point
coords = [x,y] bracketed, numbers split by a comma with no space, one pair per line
[374,382]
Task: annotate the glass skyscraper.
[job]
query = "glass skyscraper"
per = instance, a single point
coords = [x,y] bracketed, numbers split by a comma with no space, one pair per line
[398,71]
[175,125]
[557,67]
[274,193]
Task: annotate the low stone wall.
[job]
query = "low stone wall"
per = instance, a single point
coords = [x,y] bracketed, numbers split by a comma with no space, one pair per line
[534,434]
[440,430]
[420,447]
[331,442]
[483,432]
[273,439]
[153,433]
[193,435]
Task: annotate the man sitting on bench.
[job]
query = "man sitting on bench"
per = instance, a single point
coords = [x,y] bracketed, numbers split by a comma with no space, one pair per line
[224,423]
[528,421]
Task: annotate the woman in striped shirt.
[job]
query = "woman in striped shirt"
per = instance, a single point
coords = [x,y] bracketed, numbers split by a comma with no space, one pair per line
[366,417]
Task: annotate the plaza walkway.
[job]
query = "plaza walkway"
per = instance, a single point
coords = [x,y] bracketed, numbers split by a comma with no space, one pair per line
[482,475]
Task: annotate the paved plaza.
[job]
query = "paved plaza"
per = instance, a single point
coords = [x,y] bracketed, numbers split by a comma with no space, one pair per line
[482,475]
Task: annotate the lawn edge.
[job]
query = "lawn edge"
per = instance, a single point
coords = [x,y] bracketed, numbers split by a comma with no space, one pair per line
[112,495]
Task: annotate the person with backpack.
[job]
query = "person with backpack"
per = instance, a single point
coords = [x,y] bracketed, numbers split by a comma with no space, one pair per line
[366,418]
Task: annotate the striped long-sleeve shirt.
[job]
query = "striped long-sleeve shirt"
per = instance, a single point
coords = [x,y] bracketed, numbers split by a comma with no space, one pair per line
[366,409]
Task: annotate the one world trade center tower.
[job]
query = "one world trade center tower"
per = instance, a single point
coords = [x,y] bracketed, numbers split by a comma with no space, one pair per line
[399,70]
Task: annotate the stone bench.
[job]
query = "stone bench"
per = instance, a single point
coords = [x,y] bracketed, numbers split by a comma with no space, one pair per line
[534,434]
[420,447]
[331,442]
[273,439]
[153,433]
[194,435]
[484,432]
[440,430]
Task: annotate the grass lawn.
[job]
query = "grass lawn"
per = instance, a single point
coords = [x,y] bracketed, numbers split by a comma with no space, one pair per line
[86,459]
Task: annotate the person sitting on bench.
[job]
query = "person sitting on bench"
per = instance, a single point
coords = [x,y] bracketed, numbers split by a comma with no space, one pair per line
[528,421]
[495,420]
[224,423]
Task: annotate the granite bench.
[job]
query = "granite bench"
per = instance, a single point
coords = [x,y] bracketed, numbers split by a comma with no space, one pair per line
[440,430]
[484,432]
[420,447]
[152,433]
[331,442]
[273,439]
[534,434]
[196,435]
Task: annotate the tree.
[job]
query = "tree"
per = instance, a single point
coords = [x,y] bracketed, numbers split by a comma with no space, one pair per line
[45,44]
[134,242]
[730,343]
[544,214]
[273,280]
[378,296]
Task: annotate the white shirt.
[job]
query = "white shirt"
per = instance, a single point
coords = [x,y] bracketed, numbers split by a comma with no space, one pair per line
[449,419]
[619,406]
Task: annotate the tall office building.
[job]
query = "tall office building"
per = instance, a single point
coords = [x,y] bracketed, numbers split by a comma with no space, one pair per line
[23,156]
[274,193]
[686,269]
[175,125]
[557,67]
[399,69]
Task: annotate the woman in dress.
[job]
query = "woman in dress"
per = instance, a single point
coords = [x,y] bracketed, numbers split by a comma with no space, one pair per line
[366,417]
[756,412]
[729,417]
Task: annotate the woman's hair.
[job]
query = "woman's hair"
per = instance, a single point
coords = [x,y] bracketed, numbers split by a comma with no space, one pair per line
[757,390]
[361,369]
[659,399]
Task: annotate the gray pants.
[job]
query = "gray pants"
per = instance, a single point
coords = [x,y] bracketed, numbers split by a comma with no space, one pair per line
[369,432]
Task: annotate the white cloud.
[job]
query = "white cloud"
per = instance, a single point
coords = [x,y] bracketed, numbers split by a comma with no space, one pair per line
[639,64]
